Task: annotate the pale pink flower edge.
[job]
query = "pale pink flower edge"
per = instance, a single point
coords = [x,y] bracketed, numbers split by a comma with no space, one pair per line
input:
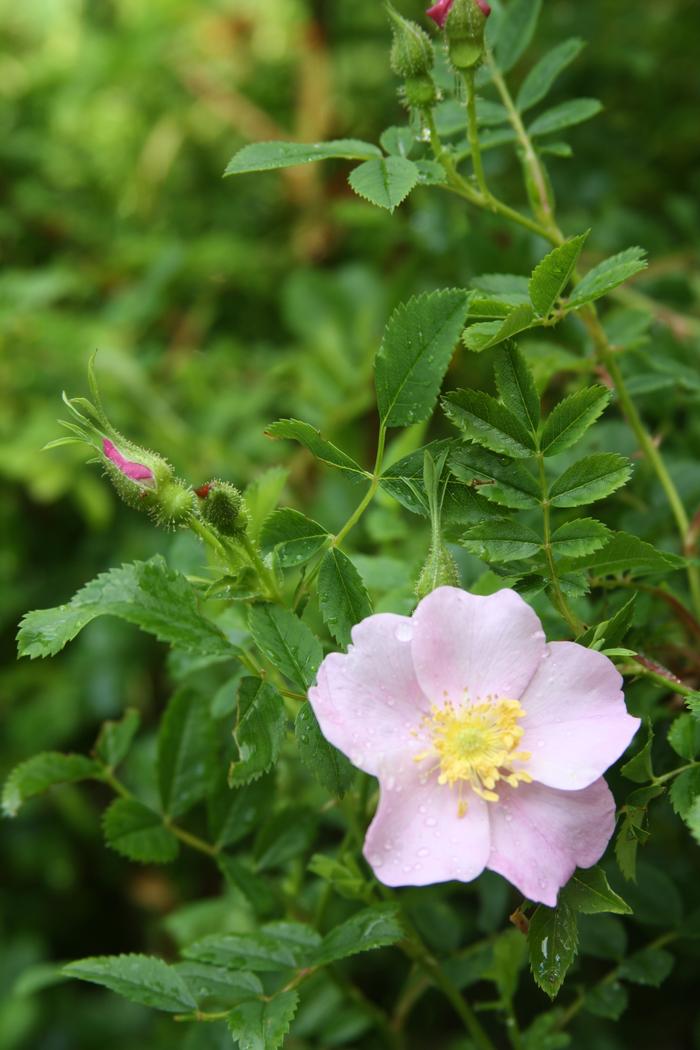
[370,701]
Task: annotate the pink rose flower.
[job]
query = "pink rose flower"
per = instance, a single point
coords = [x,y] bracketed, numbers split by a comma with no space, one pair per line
[135,471]
[439,11]
[489,744]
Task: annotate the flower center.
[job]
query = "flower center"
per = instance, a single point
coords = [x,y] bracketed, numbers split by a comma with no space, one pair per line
[475,746]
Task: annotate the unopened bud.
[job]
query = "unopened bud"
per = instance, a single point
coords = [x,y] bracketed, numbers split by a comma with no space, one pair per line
[439,11]
[440,570]
[145,481]
[221,505]
[412,52]
[418,92]
[465,24]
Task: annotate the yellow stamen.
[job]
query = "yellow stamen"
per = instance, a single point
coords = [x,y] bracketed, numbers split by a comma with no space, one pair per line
[475,745]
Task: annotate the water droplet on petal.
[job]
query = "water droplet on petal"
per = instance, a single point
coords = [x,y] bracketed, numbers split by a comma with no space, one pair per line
[404,632]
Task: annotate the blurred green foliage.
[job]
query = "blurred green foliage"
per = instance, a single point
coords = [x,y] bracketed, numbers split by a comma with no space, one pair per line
[217,307]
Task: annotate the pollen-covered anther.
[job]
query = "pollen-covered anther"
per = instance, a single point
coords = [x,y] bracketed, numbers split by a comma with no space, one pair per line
[475,746]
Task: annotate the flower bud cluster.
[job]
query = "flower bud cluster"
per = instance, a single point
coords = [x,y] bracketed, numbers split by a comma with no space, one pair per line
[412,58]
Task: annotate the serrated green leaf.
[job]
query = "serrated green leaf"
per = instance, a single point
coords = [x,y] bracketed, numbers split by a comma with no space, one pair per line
[628,554]
[294,537]
[553,942]
[266,156]
[148,594]
[509,955]
[684,736]
[404,481]
[311,439]
[140,978]
[399,141]
[692,819]
[590,479]
[285,836]
[500,480]
[516,31]
[639,768]
[607,275]
[342,596]
[580,537]
[512,287]
[516,386]
[262,951]
[138,833]
[287,643]
[501,541]
[384,181]
[116,737]
[480,337]
[486,307]
[565,115]
[186,747]
[330,767]
[551,276]
[487,422]
[649,967]
[588,891]
[263,1024]
[685,789]
[627,841]
[259,891]
[541,77]
[414,354]
[571,418]
[207,982]
[259,732]
[430,173]
[368,929]
[608,999]
[42,772]
[232,813]
[343,875]
[263,494]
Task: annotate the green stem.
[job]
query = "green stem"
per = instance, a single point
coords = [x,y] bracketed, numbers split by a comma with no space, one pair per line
[265,575]
[671,685]
[558,596]
[674,773]
[473,129]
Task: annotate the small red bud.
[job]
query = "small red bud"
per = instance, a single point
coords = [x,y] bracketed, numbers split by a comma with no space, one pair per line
[203,490]
[439,11]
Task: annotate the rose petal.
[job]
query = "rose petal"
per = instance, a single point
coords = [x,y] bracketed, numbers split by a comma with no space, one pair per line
[417,836]
[130,469]
[539,836]
[486,645]
[368,701]
[575,723]
[439,11]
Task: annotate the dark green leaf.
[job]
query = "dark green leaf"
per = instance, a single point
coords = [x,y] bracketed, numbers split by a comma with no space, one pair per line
[571,418]
[260,730]
[115,738]
[551,276]
[516,386]
[509,955]
[588,892]
[500,480]
[487,422]
[516,31]
[287,834]
[366,930]
[287,643]
[591,479]
[41,772]
[553,942]
[384,181]
[580,537]
[501,541]
[480,337]
[692,819]
[234,813]
[139,978]
[265,156]
[214,982]
[310,438]
[138,833]
[628,554]
[260,952]
[608,275]
[294,537]
[263,493]
[343,875]
[404,481]
[342,596]
[416,349]
[263,1024]
[258,891]
[186,747]
[685,788]
[608,1000]
[684,736]
[540,79]
[639,768]
[148,594]
[398,141]
[565,115]
[330,767]
[650,967]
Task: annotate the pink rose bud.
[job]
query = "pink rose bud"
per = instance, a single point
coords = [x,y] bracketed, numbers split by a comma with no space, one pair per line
[134,471]
[439,11]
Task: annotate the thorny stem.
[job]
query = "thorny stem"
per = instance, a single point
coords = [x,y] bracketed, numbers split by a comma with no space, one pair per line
[473,129]
[670,684]
[558,596]
[548,228]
